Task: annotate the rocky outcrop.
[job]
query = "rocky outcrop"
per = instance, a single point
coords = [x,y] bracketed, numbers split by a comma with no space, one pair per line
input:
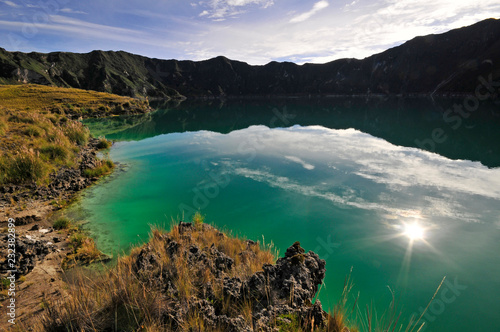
[28,252]
[448,63]
[281,290]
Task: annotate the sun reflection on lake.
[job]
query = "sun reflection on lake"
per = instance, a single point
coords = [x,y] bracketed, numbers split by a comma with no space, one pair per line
[414,231]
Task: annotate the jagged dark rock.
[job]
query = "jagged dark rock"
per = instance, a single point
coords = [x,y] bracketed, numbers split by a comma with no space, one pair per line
[28,252]
[290,281]
[27,220]
[446,64]
[283,289]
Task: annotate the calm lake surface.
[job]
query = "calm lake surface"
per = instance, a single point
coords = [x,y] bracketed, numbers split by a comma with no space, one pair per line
[342,176]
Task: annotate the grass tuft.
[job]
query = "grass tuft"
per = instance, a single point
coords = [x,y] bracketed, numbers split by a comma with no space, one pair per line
[77,133]
[104,167]
[23,167]
[32,131]
[61,223]
[55,152]
[83,250]
[104,144]
[198,220]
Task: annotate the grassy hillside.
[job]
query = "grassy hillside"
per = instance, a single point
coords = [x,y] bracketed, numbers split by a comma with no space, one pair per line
[38,135]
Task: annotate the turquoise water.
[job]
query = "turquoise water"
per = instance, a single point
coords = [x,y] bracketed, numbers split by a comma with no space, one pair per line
[341,192]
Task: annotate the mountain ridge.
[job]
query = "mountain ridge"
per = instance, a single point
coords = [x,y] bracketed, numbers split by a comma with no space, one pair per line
[440,64]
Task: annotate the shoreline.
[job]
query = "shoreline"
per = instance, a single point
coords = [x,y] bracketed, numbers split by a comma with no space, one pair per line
[41,249]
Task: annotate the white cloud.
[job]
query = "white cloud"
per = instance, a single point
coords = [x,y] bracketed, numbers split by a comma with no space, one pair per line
[358,170]
[221,9]
[318,6]
[300,162]
[368,30]
[71,11]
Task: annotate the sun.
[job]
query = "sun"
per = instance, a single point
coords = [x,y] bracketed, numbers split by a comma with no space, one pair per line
[414,231]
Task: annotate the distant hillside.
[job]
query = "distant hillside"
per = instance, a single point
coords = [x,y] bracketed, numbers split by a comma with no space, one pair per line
[448,63]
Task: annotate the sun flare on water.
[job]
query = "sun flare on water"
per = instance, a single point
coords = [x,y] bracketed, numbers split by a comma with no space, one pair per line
[414,231]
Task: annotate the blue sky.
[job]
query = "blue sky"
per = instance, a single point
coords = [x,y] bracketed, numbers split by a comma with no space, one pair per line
[254,31]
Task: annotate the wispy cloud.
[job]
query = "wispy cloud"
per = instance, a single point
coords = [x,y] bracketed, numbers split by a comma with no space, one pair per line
[10,4]
[72,11]
[318,6]
[222,9]
[301,162]
[67,26]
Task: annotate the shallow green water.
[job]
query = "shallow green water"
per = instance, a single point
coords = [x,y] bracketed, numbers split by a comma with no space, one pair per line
[342,193]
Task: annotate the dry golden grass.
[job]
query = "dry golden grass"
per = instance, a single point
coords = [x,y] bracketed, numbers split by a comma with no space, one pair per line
[36,136]
[124,299]
[34,144]
[84,251]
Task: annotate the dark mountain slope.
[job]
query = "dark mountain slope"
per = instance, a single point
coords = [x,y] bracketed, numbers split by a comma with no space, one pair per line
[447,63]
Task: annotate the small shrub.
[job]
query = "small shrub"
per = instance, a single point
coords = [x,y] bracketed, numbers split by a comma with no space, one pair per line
[61,223]
[44,304]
